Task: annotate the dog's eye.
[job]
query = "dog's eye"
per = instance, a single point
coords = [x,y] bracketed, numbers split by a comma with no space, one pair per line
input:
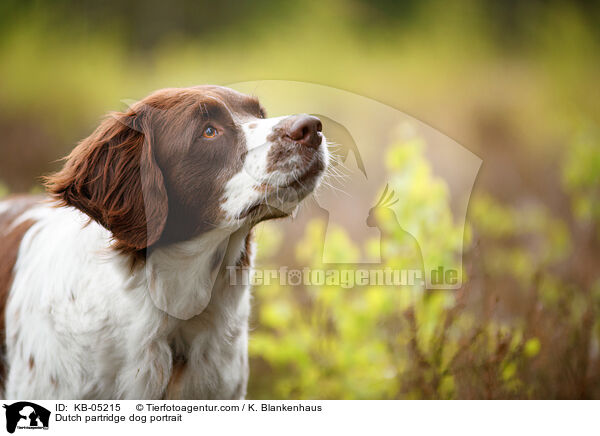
[210,132]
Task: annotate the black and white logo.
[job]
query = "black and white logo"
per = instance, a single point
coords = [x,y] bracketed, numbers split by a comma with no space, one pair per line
[26,415]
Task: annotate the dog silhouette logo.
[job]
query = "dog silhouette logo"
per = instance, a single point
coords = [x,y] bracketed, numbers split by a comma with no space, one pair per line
[26,415]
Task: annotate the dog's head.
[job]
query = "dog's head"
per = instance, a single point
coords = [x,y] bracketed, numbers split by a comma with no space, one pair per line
[184,161]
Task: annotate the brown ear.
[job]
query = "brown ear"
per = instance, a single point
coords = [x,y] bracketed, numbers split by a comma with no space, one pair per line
[113,177]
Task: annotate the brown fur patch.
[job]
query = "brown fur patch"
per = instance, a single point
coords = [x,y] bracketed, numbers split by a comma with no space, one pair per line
[10,241]
[149,176]
[174,387]
[112,176]
[263,187]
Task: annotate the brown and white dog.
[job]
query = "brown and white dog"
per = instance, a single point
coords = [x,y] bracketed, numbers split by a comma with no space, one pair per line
[122,290]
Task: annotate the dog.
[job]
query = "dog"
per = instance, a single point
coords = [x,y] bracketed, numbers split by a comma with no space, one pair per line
[116,285]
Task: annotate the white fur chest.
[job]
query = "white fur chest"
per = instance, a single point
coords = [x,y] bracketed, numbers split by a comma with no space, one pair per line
[80,324]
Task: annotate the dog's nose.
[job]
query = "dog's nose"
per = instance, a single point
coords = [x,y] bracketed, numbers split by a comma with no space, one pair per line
[305,130]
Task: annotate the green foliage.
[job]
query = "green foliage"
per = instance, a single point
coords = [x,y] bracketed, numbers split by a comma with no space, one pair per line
[581,174]
[3,190]
[403,342]
[368,342]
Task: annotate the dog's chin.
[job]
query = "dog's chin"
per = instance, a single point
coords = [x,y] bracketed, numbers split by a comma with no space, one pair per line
[281,203]
[282,200]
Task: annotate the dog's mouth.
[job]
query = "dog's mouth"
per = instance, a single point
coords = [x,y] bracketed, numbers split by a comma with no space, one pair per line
[280,200]
[307,179]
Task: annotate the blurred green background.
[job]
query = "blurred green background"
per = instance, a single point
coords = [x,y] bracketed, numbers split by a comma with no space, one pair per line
[516,82]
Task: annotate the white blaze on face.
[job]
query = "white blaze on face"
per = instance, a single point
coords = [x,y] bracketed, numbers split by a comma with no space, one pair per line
[247,187]
[258,146]
[241,190]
